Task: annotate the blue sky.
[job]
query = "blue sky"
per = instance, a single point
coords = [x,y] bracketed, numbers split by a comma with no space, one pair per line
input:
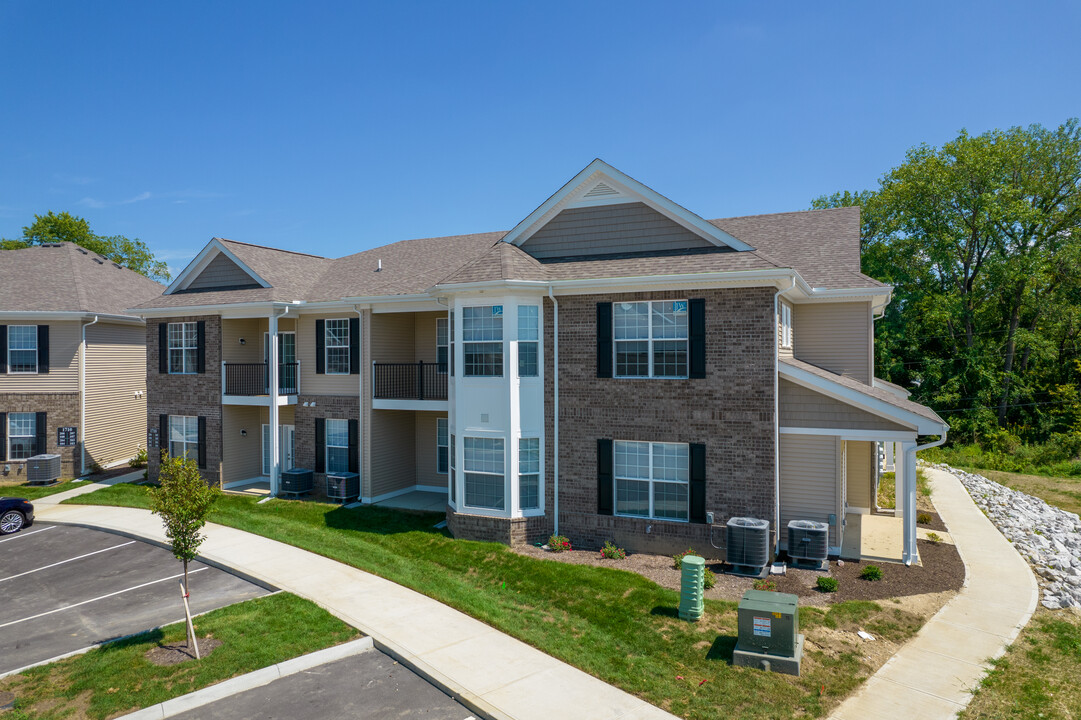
[334,127]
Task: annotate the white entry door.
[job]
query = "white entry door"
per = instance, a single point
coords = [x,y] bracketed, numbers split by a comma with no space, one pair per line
[286,447]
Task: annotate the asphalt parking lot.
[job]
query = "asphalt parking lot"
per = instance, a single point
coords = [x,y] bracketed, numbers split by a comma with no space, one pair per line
[367,685]
[65,588]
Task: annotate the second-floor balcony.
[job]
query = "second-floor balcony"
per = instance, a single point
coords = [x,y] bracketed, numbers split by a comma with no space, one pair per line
[252,380]
[409,381]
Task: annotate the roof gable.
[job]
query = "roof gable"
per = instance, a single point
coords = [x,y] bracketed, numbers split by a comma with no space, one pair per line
[216,267]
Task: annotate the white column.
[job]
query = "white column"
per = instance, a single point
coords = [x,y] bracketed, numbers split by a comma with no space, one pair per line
[907,500]
[275,432]
[888,448]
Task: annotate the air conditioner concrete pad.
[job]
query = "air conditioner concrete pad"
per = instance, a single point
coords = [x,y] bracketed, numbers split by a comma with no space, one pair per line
[777,663]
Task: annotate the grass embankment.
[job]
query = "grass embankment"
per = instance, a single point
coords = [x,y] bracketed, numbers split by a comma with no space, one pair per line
[1057,459]
[613,624]
[887,489]
[1037,677]
[117,677]
[33,492]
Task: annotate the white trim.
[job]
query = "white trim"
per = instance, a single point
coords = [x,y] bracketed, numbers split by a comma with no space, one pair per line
[598,170]
[213,248]
[427,405]
[43,318]
[852,434]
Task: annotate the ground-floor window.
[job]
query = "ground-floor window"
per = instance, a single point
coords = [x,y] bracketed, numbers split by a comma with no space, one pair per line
[484,473]
[184,436]
[22,435]
[337,446]
[529,473]
[652,479]
[441,435]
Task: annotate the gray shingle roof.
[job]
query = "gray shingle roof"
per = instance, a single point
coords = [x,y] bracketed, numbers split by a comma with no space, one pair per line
[63,277]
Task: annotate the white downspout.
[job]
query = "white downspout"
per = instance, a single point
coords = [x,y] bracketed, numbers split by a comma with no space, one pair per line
[555,408]
[777,418]
[82,400]
[909,506]
[275,383]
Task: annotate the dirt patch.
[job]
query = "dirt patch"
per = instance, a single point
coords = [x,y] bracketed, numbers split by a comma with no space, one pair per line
[7,701]
[112,472]
[175,654]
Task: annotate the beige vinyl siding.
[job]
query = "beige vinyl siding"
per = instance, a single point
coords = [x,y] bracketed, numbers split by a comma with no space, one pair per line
[859,478]
[803,407]
[784,351]
[241,455]
[393,439]
[836,336]
[310,382]
[115,392]
[222,272]
[425,338]
[810,481]
[610,229]
[63,375]
[426,462]
[394,336]
[251,329]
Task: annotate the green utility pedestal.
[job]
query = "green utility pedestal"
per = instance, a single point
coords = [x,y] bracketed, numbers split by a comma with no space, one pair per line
[691,587]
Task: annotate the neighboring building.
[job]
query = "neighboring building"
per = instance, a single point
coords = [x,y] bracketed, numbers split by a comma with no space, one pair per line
[71,358]
[702,369]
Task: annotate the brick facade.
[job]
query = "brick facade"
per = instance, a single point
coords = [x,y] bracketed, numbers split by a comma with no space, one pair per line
[339,407]
[198,394]
[509,531]
[63,411]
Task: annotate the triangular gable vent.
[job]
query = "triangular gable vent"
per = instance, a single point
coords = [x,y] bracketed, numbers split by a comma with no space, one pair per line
[601,190]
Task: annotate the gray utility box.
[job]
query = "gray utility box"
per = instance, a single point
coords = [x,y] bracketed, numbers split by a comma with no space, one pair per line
[297,481]
[42,469]
[343,486]
[769,632]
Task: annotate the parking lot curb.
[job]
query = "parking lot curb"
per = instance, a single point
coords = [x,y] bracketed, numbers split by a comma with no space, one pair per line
[265,676]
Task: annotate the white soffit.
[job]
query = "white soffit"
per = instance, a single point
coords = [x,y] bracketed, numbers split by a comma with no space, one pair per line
[601,184]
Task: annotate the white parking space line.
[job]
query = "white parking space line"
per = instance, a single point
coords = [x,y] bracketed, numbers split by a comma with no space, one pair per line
[100,597]
[80,557]
[27,534]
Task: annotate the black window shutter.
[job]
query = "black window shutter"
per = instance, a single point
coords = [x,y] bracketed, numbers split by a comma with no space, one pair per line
[320,347]
[604,341]
[354,455]
[320,445]
[3,348]
[604,476]
[354,348]
[163,432]
[163,348]
[41,429]
[200,363]
[43,349]
[698,483]
[3,434]
[697,323]
[202,442]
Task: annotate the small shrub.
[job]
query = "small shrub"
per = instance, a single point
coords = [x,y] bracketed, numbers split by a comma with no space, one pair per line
[139,460]
[934,538]
[827,584]
[871,572]
[764,584]
[677,560]
[708,579]
[558,543]
[611,552]
[923,519]
[95,468]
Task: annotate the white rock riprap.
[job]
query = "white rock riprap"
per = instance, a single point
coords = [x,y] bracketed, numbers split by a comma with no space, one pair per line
[1048,537]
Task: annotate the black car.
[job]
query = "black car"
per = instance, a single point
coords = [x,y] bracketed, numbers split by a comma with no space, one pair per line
[15,514]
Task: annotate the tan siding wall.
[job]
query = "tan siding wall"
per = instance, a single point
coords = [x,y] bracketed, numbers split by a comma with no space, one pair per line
[251,329]
[222,272]
[803,407]
[608,229]
[426,451]
[836,336]
[241,456]
[63,376]
[860,473]
[393,336]
[310,382]
[810,481]
[424,347]
[394,444]
[115,372]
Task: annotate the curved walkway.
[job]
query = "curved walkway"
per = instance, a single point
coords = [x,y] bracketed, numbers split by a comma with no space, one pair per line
[491,673]
[933,676]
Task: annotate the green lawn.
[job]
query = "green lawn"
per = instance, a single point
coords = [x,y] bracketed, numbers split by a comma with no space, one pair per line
[33,492]
[117,678]
[887,488]
[614,624]
[1063,492]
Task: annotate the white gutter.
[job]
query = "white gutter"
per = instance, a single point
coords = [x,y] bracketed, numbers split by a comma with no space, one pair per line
[82,398]
[777,417]
[555,407]
[65,316]
[908,511]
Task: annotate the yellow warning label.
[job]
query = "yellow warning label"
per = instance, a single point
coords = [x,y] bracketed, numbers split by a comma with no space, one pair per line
[776,615]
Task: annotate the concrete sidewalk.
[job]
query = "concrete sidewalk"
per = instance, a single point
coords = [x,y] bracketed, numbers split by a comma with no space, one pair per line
[934,675]
[58,498]
[491,673]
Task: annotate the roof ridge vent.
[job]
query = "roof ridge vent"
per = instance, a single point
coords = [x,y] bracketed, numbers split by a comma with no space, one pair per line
[601,190]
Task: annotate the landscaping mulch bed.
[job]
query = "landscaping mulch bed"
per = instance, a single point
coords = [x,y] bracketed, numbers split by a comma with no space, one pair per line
[165,655]
[936,521]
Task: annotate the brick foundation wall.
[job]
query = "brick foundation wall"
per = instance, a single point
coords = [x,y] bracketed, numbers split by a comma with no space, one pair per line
[63,411]
[509,531]
[339,407]
[198,395]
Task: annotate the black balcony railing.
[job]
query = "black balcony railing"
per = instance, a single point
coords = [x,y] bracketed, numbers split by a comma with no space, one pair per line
[409,381]
[254,379]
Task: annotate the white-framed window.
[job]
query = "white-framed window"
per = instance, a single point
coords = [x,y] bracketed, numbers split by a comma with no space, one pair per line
[484,473]
[22,435]
[528,340]
[786,325]
[336,346]
[482,341]
[652,479]
[529,473]
[651,339]
[22,349]
[337,459]
[453,474]
[441,446]
[184,436]
[183,348]
[442,345]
